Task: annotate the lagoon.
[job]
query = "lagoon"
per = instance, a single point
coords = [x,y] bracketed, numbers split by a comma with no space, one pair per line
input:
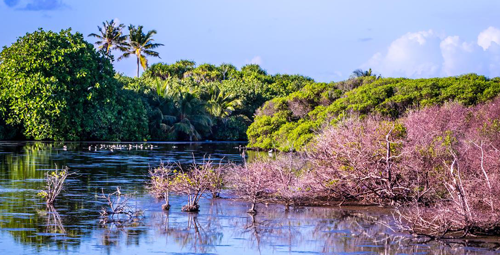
[222,226]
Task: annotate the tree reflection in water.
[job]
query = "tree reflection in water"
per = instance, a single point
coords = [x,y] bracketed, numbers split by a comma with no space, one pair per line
[115,231]
[54,223]
[191,234]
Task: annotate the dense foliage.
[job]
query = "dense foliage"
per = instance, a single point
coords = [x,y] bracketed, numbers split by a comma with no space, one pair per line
[440,163]
[289,123]
[56,86]
[189,102]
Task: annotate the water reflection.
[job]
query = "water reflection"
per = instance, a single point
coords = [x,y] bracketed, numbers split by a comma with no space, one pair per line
[73,224]
[54,223]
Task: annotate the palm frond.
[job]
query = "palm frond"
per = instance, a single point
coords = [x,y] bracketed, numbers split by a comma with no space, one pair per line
[152,45]
[111,36]
[140,44]
[170,119]
[151,53]
[95,35]
[125,55]
[143,61]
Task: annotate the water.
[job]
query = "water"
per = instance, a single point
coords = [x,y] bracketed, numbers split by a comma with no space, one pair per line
[73,225]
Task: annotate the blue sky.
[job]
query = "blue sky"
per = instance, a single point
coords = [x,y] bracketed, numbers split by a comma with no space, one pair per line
[323,39]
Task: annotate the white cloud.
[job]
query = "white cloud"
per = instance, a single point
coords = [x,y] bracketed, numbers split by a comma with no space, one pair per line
[488,36]
[427,54]
[256,60]
[413,54]
[461,57]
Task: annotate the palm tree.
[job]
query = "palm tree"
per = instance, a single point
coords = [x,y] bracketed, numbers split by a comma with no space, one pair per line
[360,73]
[110,37]
[188,113]
[221,103]
[141,45]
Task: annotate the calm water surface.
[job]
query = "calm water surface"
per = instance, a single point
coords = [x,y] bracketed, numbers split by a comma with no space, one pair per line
[27,226]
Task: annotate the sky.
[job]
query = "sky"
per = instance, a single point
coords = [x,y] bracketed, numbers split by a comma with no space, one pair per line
[323,39]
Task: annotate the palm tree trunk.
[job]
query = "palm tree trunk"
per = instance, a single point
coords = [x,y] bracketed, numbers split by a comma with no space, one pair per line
[138,63]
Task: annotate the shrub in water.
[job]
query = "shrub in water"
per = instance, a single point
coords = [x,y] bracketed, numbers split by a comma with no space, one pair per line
[55,183]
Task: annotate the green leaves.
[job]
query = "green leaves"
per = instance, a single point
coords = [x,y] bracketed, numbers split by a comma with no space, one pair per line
[55,86]
[111,37]
[140,44]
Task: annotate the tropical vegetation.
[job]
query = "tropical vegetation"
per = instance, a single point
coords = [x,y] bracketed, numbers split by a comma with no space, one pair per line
[141,45]
[57,86]
[422,145]
[110,37]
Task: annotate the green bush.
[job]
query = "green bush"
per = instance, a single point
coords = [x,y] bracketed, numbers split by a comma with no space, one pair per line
[56,86]
[289,127]
[131,122]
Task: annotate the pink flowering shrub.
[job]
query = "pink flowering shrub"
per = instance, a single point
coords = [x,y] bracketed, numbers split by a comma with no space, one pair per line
[458,148]
[266,180]
[440,165]
[361,160]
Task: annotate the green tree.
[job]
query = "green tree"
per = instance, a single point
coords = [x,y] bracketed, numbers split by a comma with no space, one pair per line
[110,37]
[141,45]
[163,71]
[57,86]
[227,71]
[221,103]
[205,73]
[360,73]
[186,112]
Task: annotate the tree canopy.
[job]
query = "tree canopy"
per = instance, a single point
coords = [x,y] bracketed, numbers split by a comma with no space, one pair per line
[110,37]
[57,86]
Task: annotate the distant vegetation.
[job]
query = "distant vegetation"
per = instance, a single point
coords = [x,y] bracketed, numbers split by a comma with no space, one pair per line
[57,86]
[438,167]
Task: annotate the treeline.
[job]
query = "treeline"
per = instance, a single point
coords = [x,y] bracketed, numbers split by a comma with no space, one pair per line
[291,122]
[56,86]
[189,102]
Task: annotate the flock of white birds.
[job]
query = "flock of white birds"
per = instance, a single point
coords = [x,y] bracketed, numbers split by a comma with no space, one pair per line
[113,147]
